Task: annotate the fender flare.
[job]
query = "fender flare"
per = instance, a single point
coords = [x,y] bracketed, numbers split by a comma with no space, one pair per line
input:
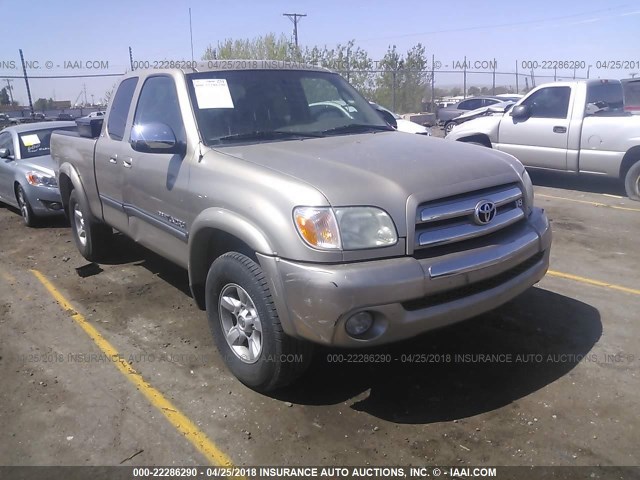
[68,171]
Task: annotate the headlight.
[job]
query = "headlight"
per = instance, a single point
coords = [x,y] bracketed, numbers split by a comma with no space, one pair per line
[365,227]
[349,228]
[40,179]
[528,190]
[318,227]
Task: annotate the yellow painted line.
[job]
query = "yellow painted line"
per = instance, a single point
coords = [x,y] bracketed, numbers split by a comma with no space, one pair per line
[590,281]
[179,420]
[596,204]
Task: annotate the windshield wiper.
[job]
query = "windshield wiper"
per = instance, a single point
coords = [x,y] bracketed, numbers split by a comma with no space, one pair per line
[358,128]
[266,135]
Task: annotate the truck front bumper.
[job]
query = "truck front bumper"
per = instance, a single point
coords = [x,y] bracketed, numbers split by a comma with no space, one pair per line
[407,296]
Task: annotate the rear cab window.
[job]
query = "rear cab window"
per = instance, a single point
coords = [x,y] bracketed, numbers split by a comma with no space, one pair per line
[120,108]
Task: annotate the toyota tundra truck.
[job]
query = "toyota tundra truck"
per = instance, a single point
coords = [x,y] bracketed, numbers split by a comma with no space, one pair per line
[578,126]
[298,226]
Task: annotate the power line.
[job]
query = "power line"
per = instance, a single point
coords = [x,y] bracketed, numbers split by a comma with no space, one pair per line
[501,25]
[295,18]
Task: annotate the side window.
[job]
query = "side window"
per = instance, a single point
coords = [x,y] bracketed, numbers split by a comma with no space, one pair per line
[471,104]
[120,108]
[488,101]
[158,103]
[6,142]
[549,102]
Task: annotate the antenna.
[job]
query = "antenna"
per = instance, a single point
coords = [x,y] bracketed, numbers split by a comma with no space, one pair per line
[191,33]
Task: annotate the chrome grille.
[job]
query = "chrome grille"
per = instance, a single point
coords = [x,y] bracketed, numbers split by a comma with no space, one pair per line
[451,220]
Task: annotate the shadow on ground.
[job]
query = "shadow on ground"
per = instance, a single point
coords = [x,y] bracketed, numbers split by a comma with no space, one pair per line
[124,250]
[580,183]
[549,331]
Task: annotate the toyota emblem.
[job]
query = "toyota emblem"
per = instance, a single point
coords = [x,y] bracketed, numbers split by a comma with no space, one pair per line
[485,212]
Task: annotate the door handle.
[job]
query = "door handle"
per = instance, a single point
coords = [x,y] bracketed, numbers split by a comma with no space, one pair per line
[126,162]
[559,129]
[113,159]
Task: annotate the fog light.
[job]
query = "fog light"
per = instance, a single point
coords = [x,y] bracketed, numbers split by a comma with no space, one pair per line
[359,323]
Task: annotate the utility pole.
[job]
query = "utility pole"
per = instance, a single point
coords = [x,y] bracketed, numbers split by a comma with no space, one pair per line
[26,81]
[84,87]
[295,18]
[9,89]
[191,34]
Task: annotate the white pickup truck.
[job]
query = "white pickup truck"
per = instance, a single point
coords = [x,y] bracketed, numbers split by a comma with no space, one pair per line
[577,126]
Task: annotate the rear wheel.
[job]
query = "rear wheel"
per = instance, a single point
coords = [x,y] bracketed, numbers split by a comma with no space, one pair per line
[632,181]
[246,328]
[90,236]
[25,208]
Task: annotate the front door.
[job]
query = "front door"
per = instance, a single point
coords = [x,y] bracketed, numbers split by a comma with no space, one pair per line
[541,140]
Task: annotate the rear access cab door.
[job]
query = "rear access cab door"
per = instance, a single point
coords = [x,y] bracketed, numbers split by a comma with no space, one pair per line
[112,155]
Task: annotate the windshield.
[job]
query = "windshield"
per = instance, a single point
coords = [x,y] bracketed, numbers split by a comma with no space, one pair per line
[271,105]
[36,142]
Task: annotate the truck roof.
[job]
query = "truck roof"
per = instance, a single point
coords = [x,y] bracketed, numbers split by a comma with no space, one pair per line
[571,83]
[231,65]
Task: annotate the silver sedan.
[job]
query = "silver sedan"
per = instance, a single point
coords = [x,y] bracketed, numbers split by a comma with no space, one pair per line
[27,172]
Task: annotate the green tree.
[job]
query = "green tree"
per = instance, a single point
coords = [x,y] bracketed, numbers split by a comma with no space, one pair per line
[43,104]
[474,90]
[4,97]
[267,47]
[351,61]
[403,83]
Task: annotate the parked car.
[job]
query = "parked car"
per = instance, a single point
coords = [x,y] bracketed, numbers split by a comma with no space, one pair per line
[445,114]
[495,109]
[27,172]
[6,120]
[577,126]
[96,114]
[400,123]
[295,227]
[631,89]
[65,117]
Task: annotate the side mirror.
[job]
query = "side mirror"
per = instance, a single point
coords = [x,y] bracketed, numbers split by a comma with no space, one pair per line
[5,153]
[387,117]
[155,138]
[521,112]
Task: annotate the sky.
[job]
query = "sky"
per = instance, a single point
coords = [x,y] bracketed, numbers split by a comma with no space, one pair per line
[508,32]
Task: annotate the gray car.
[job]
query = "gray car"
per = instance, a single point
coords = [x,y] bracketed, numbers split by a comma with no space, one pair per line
[446,114]
[27,172]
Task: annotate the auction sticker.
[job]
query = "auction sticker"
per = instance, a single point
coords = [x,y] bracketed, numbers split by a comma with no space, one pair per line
[213,93]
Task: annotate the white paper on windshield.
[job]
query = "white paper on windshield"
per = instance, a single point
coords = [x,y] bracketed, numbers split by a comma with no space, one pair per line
[30,140]
[213,93]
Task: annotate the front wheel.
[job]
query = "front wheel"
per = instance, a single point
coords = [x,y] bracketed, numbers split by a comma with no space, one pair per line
[91,237]
[448,127]
[632,182]
[25,208]
[246,328]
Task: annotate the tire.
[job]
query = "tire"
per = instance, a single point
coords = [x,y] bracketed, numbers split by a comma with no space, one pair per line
[246,328]
[448,127]
[632,182]
[26,211]
[92,238]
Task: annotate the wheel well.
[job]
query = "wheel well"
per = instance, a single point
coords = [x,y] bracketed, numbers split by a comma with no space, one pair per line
[208,245]
[630,158]
[480,138]
[65,185]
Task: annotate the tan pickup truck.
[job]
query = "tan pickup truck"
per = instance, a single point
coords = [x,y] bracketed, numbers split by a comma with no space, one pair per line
[297,225]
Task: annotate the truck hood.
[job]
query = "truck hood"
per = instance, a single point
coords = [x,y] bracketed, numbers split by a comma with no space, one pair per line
[43,163]
[383,169]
